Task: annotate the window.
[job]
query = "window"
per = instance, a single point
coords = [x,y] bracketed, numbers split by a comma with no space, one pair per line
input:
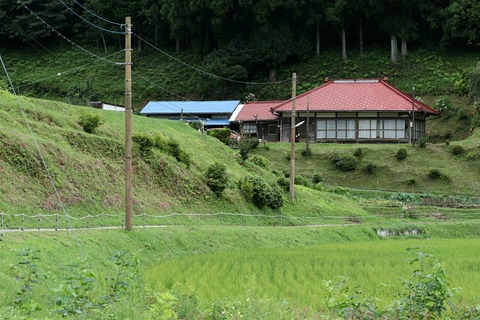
[336,129]
[367,129]
[272,129]
[249,128]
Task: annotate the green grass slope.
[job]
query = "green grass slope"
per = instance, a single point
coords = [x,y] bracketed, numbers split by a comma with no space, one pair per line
[87,170]
[458,173]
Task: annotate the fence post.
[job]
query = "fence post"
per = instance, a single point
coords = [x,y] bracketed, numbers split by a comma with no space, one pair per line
[67,221]
[23,220]
[101,220]
[56,221]
[221,218]
[2,227]
[174,220]
[88,220]
[38,224]
[199,220]
[144,218]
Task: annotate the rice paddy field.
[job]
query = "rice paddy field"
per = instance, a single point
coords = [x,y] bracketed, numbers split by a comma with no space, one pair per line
[297,275]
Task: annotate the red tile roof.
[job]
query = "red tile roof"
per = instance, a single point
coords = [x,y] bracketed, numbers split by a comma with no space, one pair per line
[262,109]
[355,95]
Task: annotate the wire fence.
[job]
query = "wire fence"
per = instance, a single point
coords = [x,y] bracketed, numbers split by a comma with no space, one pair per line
[103,221]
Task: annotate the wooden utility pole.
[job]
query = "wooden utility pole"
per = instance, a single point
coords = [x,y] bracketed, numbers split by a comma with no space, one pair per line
[412,120]
[128,123]
[292,138]
[307,144]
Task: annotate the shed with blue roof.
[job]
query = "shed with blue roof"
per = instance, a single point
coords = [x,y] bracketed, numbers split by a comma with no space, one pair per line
[212,113]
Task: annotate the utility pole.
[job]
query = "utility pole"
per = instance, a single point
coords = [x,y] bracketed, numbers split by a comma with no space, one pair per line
[128,123]
[307,145]
[412,122]
[292,138]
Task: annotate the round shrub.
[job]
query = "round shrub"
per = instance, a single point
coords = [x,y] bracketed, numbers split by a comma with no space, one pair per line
[216,178]
[370,168]
[457,150]
[422,142]
[358,153]
[401,154]
[222,134]
[345,163]
[144,142]
[436,174]
[260,161]
[262,194]
[317,178]
[90,122]
[283,183]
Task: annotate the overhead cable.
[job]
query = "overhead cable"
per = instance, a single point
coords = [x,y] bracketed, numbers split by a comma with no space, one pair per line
[97,16]
[90,23]
[206,72]
[61,35]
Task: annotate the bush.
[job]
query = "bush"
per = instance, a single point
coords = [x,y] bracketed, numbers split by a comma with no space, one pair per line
[370,168]
[216,178]
[283,183]
[345,163]
[401,154]
[222,134]
[358,153]
[144,142]
[260,161]
[303,181]
[260,192]
[161,142]
[422,142]
[197,125]
[317,178]
[436,174]
[90,122]
[457,150]
[175,150]
[246,145]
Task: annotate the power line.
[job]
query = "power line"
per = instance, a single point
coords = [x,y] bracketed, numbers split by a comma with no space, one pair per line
[90,23]
[26,34]
[97,16]
[67,71]
[37,147]
[206,72]
[61,35]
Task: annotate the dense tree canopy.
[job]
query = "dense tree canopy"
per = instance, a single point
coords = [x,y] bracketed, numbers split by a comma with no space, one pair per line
[264,33]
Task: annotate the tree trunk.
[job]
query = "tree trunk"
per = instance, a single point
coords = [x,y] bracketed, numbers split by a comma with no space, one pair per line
[104,44]
[177,44]
[394,49]
[318,37]
[156,31]
[360,37]
[140,43]
[272,74]
[344,45]
[404,48]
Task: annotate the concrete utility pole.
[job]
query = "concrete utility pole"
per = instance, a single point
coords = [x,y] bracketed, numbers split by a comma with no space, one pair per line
[128,123]
[292,138]
[412,120]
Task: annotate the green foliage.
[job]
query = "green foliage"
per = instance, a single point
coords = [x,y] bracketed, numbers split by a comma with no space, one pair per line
[283,183]
[178,153]
[163,306]
[28,276]
[401,154]
[457,150]
[246,145]
[90,122]
[197,125]
[444,105]
[422,142]
[345,163]
[358,153]
[428,292]
[260,161]
[222,134]
[303,181]
[370,168]
[216,178]
[317,178]
[80,95]
[144,142]
[260,192]
[307,152]
[436,174]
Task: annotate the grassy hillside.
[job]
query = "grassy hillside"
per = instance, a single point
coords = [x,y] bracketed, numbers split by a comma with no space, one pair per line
[88,169]
[379,169]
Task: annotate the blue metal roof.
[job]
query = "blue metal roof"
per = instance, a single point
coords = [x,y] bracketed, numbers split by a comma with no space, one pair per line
[217,122]
[189,107]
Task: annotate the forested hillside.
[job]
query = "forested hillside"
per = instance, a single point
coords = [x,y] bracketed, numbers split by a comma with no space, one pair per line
[229,49]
